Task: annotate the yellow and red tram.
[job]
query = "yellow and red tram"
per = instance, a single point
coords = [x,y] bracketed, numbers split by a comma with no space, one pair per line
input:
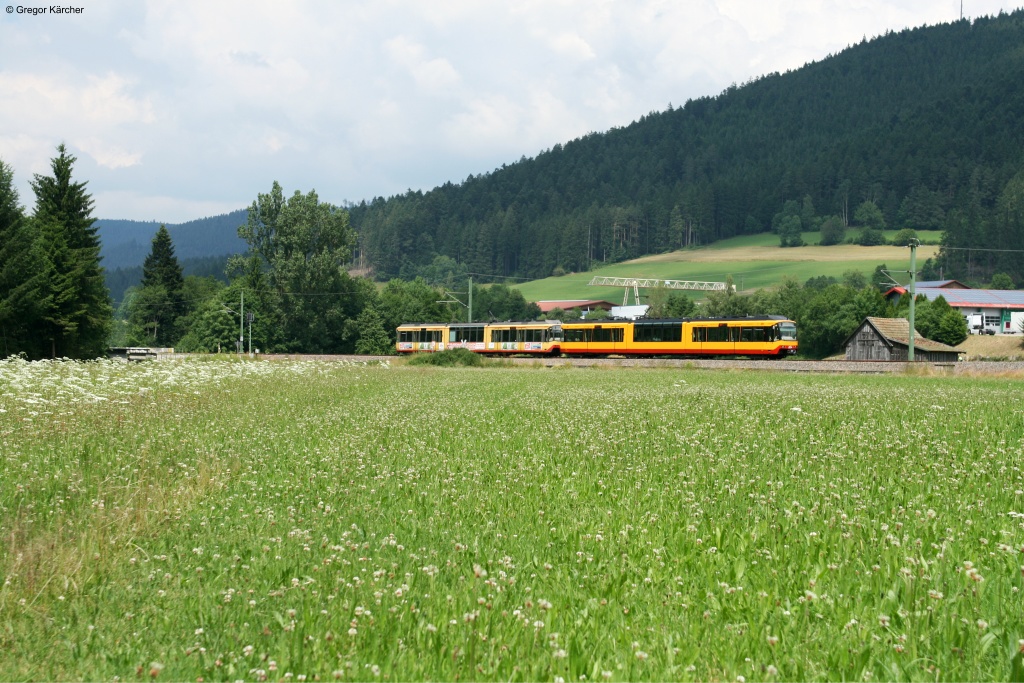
[769,336]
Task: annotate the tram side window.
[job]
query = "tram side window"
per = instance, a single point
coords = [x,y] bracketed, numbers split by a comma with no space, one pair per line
[608,334]
[578,335]
[421,335]
[466,334]
[714,334]
[658,332]
[503,336]
[646,333]
[752,334]
[532,335]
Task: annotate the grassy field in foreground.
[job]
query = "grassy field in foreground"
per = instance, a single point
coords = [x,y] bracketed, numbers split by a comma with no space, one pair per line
[753,261]
[313,521]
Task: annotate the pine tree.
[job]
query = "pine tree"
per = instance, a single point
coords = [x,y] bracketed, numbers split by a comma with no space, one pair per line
[76,314]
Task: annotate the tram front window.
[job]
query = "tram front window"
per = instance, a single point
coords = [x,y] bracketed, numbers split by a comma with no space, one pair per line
[787,331]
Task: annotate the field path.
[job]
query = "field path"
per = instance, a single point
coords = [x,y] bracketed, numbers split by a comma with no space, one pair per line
[845,252]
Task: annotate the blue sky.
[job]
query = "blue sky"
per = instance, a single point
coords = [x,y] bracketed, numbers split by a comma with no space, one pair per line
[184,109]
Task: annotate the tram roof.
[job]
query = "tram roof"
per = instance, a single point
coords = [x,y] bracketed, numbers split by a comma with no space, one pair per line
[619,321]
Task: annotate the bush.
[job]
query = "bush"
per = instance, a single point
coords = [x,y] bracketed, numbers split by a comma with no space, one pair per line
[869,237]
[832,231]
[449,358]
[902,238]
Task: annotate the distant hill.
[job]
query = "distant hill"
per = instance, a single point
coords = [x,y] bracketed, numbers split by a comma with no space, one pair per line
[125,244]
[924,122]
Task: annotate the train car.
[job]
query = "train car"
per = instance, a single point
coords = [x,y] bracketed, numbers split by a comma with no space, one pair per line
[534,338]
[598,338]
[756,336]
[770,336]
[507,338]
[422,337]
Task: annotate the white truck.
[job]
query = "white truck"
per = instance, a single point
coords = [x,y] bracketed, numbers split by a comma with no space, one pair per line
[976,324]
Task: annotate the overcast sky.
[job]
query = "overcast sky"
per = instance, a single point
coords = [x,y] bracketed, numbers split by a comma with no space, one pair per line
[184,109]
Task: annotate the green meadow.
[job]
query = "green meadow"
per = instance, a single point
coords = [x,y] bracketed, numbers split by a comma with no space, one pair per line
[303,521]
[753,261]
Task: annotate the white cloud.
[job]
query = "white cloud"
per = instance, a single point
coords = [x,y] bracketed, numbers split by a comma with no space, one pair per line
[107,155]
[572,45]
[160,208]
[432,75]
[182,106]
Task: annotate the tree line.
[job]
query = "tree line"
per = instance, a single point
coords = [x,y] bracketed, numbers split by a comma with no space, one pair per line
[292,280]
[294,283]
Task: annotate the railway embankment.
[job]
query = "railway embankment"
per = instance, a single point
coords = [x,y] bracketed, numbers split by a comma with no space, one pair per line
[821,366]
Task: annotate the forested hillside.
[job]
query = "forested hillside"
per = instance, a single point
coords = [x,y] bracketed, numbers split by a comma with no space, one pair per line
[923,123]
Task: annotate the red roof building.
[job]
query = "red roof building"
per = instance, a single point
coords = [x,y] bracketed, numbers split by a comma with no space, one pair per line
[569,304]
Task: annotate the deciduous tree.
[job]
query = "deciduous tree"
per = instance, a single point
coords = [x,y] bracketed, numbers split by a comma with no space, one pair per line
[295,265]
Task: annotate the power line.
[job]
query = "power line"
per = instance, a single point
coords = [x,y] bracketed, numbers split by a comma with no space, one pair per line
[504,277]
[1008,251]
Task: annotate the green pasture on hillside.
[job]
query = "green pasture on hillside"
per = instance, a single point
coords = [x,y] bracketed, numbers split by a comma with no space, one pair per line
[305,521]
[753,261]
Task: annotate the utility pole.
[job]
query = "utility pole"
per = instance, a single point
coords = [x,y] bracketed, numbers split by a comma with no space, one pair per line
[241,326]
[249,319]
[455,300]
[913,277]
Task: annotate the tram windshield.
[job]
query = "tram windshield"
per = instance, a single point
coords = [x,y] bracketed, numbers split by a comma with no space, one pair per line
[787,331]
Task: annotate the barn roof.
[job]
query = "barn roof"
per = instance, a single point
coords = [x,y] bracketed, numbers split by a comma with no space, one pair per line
[896,331]
[943,284]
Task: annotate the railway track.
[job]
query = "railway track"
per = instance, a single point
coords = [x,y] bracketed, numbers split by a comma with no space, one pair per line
[819,366]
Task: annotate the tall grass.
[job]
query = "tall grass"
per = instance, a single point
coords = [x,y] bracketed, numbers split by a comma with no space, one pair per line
[295,521]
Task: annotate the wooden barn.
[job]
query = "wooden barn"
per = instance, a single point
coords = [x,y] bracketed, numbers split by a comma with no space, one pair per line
[888,339]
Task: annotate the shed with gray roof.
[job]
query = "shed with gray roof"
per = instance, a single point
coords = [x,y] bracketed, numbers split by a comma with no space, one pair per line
[889,339]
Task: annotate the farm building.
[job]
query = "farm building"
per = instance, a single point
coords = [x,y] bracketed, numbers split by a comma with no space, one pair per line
[942,284]
[888,339]
[997,311]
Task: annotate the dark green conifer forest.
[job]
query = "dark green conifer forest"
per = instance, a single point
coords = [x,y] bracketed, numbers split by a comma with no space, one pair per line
[924,124]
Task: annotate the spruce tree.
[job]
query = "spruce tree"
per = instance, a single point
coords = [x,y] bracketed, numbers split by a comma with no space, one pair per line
[19,273]
[76,314]
[159,304]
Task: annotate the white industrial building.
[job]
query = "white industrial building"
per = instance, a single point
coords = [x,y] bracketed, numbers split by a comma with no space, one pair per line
[989,311]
